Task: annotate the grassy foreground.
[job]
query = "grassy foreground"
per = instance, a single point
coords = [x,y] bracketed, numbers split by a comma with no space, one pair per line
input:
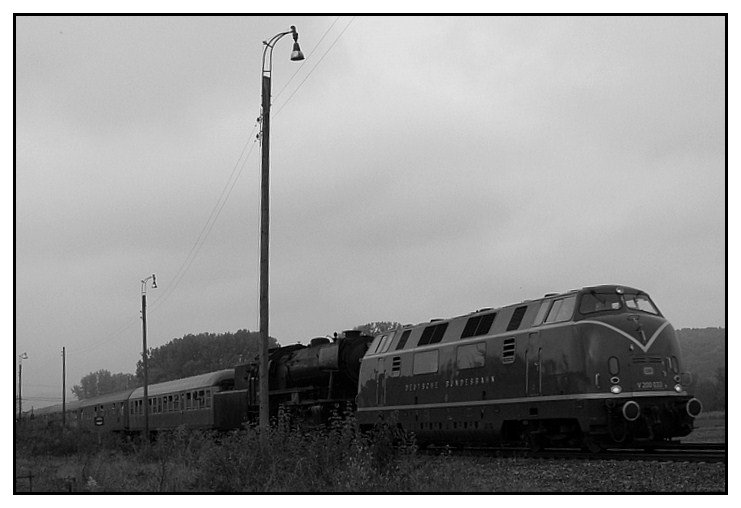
[335,459]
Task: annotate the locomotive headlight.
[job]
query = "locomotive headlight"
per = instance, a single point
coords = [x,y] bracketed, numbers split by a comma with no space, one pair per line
[677,388]
[616,389]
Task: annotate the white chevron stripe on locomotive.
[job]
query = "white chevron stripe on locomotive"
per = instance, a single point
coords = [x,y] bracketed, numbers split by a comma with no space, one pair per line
[628,336]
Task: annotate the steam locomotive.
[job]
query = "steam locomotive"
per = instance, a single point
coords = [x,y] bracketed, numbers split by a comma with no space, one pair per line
[594,367]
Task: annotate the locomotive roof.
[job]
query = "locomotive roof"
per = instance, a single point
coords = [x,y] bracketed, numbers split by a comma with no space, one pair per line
[601,288]
[186,384]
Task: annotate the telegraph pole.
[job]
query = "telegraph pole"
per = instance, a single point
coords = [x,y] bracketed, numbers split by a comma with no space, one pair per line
[64,388]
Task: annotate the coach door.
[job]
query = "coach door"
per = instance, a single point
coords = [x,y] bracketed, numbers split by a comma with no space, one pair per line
[532,367]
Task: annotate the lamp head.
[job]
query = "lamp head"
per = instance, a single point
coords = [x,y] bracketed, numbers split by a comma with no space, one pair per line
[154,282]
[296,54]
[23,356]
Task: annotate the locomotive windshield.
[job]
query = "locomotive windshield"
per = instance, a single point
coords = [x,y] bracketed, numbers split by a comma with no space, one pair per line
[640,302]
[601,302]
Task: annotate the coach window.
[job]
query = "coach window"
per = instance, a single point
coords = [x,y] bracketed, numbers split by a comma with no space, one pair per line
[208,398]
[425,362]
[201,398]
[187,401]
[177,402]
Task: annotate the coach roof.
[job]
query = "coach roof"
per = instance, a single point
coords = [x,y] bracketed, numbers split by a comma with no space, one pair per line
[187,384]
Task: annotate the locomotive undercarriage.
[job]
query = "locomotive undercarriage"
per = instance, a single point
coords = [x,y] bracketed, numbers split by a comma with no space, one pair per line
[659,421]
[592,424]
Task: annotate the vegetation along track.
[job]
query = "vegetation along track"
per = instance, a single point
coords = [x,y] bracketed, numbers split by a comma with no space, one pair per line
[671,452]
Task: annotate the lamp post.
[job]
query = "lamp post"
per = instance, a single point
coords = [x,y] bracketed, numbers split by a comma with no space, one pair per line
[267,69]
[22,356]
[144,353]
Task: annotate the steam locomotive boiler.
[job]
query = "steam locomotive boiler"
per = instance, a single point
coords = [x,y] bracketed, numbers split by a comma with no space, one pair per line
[307,382]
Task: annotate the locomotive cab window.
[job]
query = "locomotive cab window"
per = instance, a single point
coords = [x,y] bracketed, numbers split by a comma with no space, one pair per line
[540,316]
[640,302]
[562,310]
[599,302]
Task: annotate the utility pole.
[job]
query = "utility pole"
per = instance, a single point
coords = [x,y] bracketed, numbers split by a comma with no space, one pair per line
[20,389]
[144,353]
[267,69]
[64,388]
[22,356]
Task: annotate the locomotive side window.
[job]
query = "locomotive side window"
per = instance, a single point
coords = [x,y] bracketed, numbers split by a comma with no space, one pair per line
[517,316]
[403,340]
[561,310]
[381,344]
[478,325]
[540,316]
[425,362]
[470,356]
[640,302]
[599,302]
[386,342]
[433,334]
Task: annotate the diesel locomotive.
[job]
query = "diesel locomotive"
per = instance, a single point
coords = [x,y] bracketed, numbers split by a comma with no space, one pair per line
[595,367]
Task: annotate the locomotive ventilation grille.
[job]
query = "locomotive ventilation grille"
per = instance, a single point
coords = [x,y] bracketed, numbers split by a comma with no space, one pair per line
[646,359]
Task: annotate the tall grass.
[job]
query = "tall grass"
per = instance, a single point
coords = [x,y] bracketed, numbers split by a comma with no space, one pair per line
[332,458]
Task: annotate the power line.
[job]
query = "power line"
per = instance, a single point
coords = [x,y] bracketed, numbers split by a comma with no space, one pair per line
[315,66]
[223,196]
[308,57]
[210,222]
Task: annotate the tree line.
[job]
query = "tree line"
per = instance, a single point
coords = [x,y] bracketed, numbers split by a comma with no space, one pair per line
[190,355]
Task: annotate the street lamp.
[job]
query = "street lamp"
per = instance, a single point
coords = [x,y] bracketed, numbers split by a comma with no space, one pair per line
[22,356]
[267,69]
[144,352]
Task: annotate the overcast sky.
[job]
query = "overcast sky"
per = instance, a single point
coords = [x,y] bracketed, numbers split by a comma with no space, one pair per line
[422,167]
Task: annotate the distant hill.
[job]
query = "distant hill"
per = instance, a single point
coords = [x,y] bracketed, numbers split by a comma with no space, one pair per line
[703,350]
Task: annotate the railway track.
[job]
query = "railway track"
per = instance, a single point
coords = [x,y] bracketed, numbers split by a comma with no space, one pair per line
[670,452]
